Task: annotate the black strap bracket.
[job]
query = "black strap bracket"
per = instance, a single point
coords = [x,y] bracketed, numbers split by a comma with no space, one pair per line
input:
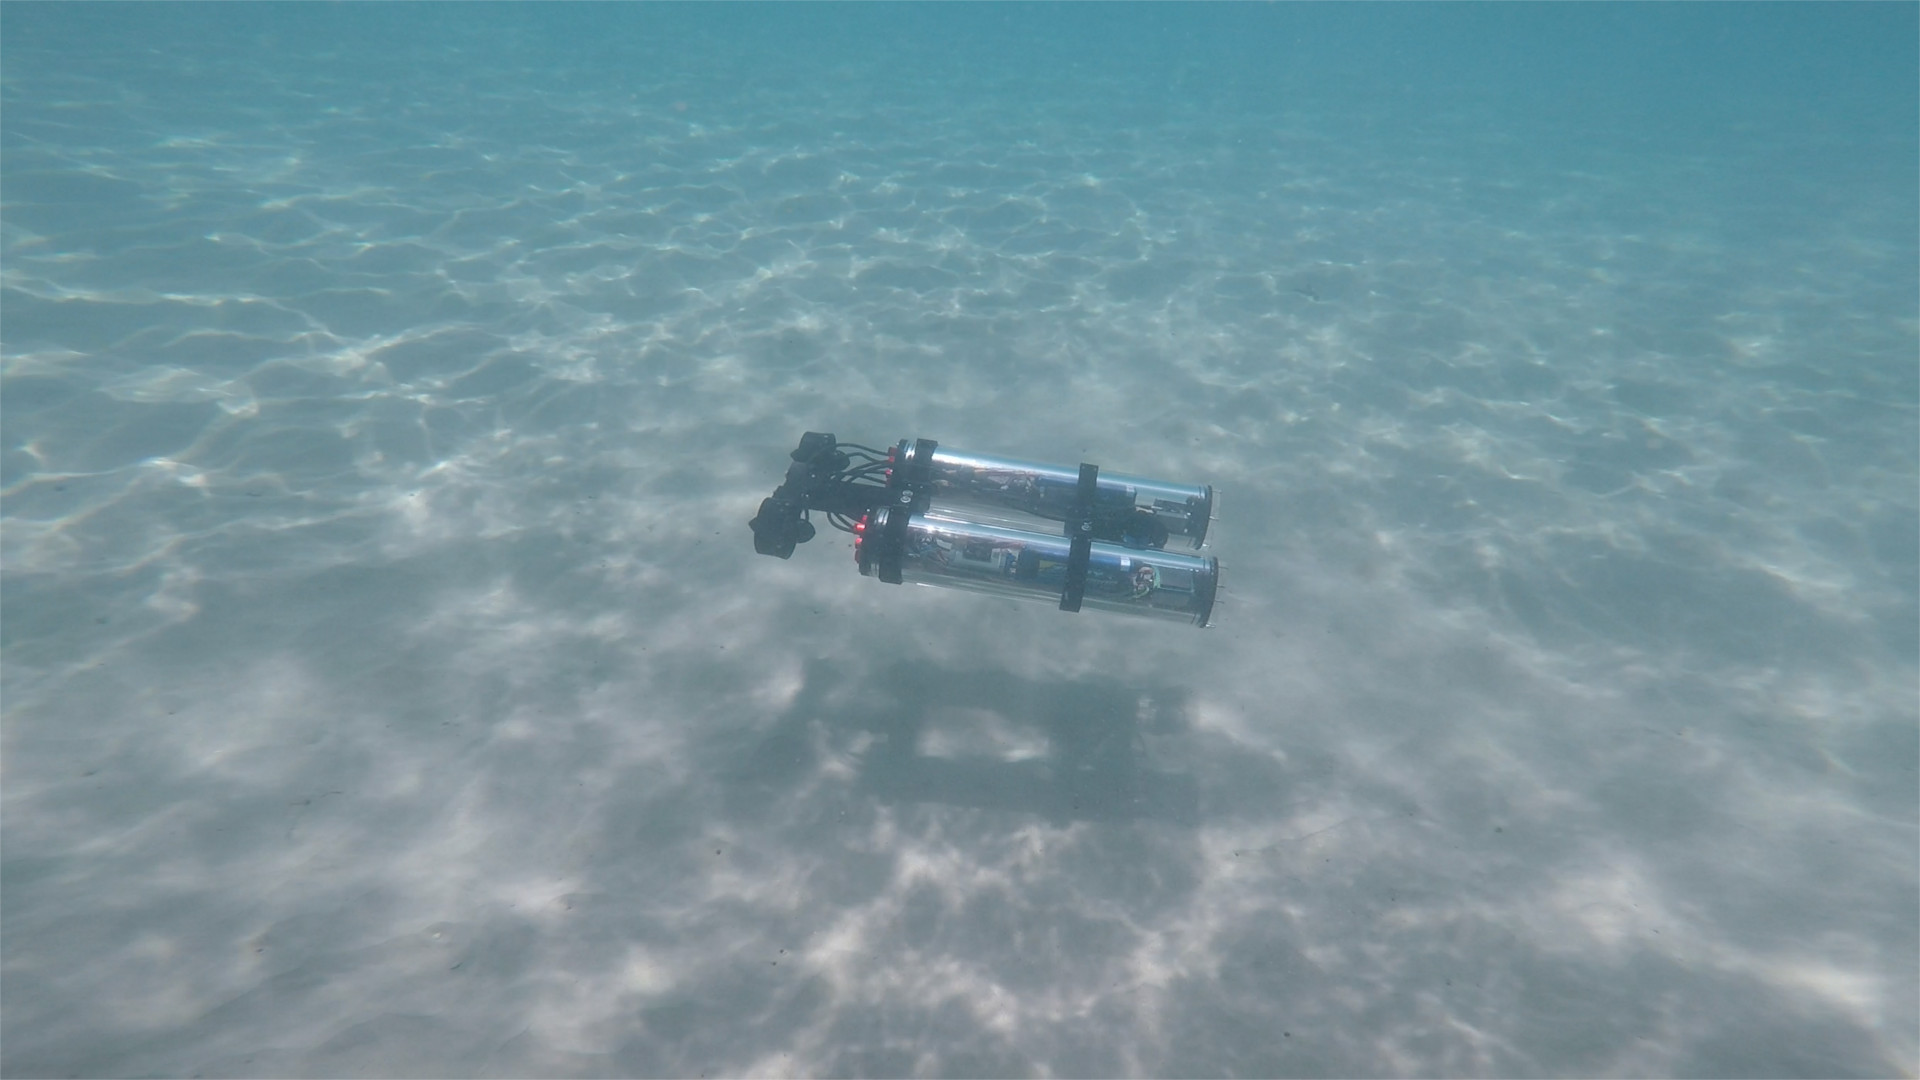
[1079,532]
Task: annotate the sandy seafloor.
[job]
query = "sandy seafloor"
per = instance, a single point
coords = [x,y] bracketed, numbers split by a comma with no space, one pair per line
[391,688]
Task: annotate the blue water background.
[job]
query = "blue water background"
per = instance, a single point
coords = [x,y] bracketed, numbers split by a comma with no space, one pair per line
[390,687]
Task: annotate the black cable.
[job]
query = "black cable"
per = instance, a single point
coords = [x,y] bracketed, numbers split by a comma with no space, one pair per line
[864,472]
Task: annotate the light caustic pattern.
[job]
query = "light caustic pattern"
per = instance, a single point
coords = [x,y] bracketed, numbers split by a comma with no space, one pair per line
[390,686]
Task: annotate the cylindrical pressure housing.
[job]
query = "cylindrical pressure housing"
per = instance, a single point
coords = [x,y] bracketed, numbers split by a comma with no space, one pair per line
[936,549]
[1129,510]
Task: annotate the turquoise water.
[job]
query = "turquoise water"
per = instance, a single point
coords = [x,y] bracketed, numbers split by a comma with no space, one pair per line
[390,686]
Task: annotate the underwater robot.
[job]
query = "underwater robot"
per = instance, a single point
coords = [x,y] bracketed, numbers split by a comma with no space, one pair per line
[972,521]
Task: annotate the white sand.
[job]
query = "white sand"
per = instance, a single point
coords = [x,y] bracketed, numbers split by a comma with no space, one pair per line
[391,687]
